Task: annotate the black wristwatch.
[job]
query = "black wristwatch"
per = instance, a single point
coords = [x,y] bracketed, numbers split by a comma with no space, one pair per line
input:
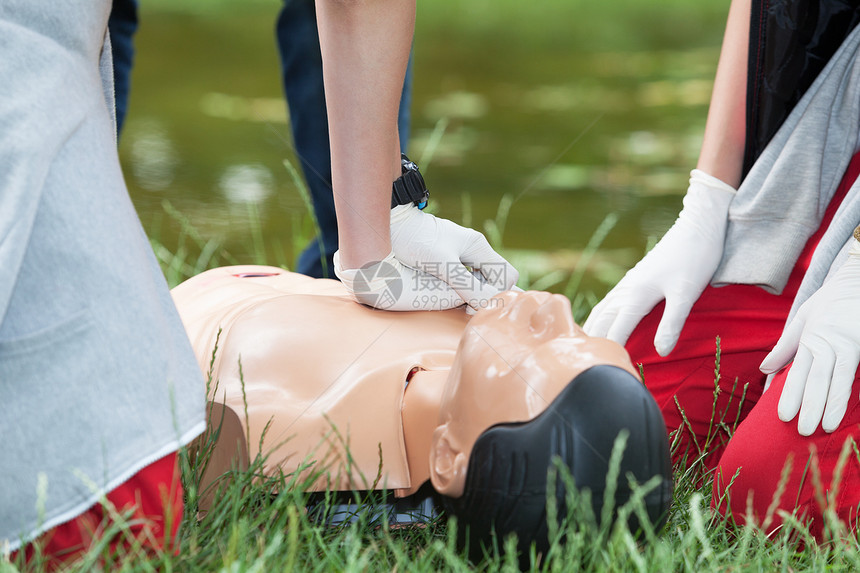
[410,186]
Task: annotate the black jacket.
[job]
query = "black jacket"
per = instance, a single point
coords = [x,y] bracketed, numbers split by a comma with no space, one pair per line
[790,43]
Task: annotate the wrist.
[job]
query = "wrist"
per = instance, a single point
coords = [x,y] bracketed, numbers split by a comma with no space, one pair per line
[357,254]
[708,195]
[401,210]
[401,216]
[697,176]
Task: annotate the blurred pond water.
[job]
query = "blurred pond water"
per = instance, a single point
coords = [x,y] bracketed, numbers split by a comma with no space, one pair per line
[572,109]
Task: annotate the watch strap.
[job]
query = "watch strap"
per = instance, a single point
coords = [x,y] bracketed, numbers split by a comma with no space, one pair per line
[410,186]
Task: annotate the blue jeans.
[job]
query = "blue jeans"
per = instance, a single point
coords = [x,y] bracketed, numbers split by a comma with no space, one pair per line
[301,72]
[121,26]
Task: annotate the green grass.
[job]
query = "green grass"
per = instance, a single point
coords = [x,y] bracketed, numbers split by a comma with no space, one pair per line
[259,523]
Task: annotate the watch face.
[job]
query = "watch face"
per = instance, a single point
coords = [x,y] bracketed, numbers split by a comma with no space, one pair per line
[407,164]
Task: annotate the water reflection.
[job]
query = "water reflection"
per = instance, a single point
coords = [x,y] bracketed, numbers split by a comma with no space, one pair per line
[674,92]
[449,149]
[610,263]
[246,183]
[238,108]
[648,147]
[654,223]
[566,177]
[153,156]
[457,105]
[645,64]
[584,94]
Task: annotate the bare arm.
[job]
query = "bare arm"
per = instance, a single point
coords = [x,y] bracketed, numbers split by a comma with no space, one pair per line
[722,152]
[365,48]
[680,266]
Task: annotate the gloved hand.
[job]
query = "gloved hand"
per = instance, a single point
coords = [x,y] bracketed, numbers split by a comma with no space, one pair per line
[444,249]
[824,340]
[390,285]
[677,269]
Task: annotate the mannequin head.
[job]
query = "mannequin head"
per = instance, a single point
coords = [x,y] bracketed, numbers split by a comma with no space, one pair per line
[529,390]
[511,363]
[508,483]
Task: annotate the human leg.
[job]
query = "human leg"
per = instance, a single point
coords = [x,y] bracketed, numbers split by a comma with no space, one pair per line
[122,26]
[769,468]
[97,377]
[699,408]
[140,515]
[748,321]
[301,73]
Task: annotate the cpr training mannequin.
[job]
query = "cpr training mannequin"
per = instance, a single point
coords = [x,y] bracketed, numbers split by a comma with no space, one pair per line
[435,394]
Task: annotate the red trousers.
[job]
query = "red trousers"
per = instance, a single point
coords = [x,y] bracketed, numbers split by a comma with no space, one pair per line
[748,322]
[150,503]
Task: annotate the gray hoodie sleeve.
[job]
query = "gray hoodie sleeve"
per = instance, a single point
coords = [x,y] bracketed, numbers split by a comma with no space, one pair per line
[781,202]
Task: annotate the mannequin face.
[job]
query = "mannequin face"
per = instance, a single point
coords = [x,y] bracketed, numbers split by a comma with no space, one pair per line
[512,361]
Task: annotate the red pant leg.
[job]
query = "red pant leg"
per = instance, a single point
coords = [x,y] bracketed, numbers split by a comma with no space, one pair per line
[153,497]
[748,321]
[754,460]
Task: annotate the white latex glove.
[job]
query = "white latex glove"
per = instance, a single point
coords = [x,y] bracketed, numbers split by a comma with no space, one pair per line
[391,285]
[824,340]
[677,269]
[444,249]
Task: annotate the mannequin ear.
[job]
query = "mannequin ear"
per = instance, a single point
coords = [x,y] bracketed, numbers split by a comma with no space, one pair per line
[448,464]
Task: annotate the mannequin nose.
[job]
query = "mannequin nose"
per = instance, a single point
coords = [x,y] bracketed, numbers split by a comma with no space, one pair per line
[553,317]
[521,306]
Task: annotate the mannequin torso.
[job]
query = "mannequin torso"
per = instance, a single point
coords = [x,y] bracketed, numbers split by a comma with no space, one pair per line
[323,371]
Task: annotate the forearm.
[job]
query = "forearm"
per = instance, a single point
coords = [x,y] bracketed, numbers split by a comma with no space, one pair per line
[725,132]
[365,49]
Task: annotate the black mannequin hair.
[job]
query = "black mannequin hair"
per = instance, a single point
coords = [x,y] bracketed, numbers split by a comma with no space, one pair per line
[507,477]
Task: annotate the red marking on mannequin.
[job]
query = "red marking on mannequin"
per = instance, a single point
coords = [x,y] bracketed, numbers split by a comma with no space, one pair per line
[255,275]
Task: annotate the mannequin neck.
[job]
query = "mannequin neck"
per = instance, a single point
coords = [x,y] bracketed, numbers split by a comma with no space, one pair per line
[420,413]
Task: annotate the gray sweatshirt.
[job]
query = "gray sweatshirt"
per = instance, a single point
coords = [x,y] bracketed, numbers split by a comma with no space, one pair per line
[781,202]
[97,377]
